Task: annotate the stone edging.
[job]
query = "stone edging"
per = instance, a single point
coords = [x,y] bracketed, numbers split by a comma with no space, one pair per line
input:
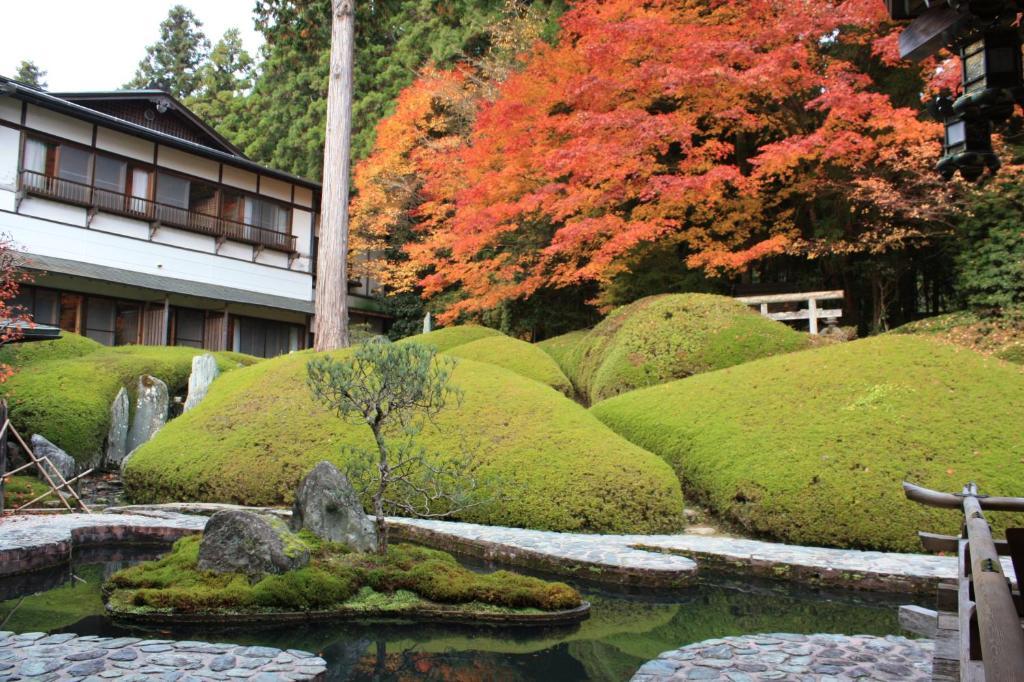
[795,657]
[429,613]
[37,656]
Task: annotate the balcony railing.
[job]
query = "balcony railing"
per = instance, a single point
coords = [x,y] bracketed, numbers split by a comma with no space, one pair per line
[81,194]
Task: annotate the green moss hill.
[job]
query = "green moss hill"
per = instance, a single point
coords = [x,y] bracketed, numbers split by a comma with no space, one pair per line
[258,432]
[661,338]
[525,359]
[1000,334]
[561,348]
[811,447]
[63,389]
[450,337]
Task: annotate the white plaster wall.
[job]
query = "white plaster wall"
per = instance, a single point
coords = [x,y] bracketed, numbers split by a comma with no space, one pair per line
[125,145]
[168,157]
[236,177]
[58,124]
[275,258]
[10,109]
[10,141]
[303,196]
[6,200]
[275,188]
[302,227]
[185,239]
[52,210]
[236,250]
[120,225]
[91,246]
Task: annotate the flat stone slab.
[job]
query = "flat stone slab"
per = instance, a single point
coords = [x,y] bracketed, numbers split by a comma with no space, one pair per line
[36,656]
[808,658]
[32,542]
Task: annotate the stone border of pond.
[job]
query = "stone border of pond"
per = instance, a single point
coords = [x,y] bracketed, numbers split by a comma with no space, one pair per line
[435,614]
[780,656]
[38,656]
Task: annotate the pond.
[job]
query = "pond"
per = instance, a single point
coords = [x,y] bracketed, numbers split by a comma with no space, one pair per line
[624,631]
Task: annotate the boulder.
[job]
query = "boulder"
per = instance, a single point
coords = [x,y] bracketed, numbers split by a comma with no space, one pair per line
[239,541]
[64,462]
[117,435]
[326,504]
[151,403]
[204,371]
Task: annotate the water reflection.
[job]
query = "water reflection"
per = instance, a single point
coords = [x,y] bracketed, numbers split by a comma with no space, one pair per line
[624,630]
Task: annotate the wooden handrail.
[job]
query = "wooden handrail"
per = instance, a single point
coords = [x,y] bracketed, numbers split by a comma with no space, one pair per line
[932,498]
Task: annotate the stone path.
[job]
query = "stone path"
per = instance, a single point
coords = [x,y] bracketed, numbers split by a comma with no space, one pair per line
[806,658]
[39,541]
[881,571]
[37,656]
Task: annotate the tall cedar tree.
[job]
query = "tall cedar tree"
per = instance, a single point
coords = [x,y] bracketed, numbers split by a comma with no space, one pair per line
[730,133]
[173,63]
[30,74]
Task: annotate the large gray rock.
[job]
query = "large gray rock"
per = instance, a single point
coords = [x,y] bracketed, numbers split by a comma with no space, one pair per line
[151,404]
[327,505]
[64,462]
[117,435]
[240,541]
[204,371]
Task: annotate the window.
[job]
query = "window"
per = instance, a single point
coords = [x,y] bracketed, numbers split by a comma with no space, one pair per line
[71,313]
[40,157]
[74,164]
[172,190]
[188,327]
[101,320]
[261,213]
[111,174]
[41,305]
[265,338]
[129,324]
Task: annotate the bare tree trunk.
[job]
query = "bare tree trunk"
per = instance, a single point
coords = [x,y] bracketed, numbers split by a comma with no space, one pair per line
[332,269]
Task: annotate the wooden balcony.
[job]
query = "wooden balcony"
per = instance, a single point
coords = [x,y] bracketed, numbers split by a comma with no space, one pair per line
[94,198]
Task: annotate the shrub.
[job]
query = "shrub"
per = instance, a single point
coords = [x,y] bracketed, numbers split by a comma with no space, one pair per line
[561,348]
[21,355]
[450,337]
[258,432]
[662,338]
[520,357]
[67,399]
[812,447]
[999,333]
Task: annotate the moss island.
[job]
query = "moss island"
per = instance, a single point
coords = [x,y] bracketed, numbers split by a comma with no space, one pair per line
[409,582]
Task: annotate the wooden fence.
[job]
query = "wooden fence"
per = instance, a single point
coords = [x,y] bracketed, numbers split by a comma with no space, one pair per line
[790,306]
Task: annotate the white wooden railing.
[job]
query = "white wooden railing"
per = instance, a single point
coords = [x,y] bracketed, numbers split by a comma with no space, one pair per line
[812,313]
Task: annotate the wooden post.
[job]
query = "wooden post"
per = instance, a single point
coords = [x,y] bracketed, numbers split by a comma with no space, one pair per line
[812,310]
[3,451]
[332,259]
[167,320]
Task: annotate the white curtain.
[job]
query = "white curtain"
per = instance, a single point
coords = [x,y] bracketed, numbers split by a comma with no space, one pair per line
[35,156]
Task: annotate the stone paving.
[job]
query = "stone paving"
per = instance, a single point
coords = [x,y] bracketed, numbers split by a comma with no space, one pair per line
[805,658]
[44,658]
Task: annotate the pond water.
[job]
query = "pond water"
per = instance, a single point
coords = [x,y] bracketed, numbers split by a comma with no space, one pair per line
[624,631]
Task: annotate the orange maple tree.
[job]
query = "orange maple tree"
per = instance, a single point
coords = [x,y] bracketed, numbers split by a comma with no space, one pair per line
[729,130]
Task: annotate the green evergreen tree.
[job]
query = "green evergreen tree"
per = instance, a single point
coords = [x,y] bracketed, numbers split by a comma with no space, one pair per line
[173,63]
[30,74]
[225,79]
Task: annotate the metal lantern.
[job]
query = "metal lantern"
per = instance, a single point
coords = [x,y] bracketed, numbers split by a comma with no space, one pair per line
[967,148]
[993,75]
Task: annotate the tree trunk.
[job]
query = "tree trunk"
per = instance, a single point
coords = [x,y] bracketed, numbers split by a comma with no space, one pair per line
[332,269]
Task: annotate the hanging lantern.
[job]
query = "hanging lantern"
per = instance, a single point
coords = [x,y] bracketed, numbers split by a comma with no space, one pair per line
[967,149]
[993,75]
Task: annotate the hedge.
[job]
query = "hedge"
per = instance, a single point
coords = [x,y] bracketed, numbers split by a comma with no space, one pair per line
[661,338]
[561,348]
[812,447]
[20,355]
[67,399]
[523,358]
[258,432]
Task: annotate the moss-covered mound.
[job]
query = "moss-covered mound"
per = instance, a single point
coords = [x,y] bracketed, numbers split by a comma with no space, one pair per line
[449,337]
[561,349]
[812,447]
[66,397]
[20,355]
[662,338]
[258,432]
[523,358]
[1000,334]
[406,580]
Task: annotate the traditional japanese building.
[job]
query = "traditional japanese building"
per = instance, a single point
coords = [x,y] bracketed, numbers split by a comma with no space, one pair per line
[141,224]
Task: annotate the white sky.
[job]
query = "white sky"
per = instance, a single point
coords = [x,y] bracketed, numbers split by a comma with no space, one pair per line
[96,44]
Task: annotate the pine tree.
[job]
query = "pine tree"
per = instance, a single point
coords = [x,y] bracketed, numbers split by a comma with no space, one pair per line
[225,79]
[30,74]
[173,63]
